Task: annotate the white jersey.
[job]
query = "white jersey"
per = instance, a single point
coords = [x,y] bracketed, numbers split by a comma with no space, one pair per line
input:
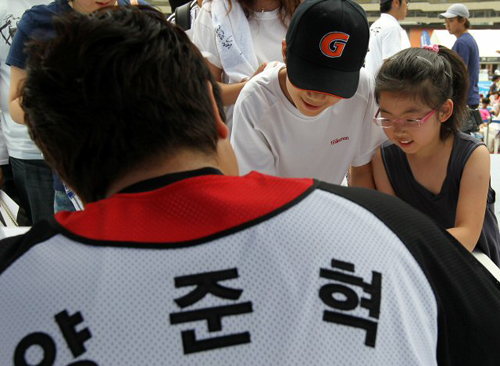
[255,270]
[387,38]
[271,136]
[16,137]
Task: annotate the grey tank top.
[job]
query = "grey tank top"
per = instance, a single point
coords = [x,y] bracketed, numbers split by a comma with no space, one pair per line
[443,206]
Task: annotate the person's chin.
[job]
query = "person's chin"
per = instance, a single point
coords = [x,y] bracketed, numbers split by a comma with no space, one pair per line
[310,110]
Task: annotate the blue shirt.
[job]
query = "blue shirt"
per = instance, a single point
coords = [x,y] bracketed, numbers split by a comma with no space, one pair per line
[37,23]
[467,48]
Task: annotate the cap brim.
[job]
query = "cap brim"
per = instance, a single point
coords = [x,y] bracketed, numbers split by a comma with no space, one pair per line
[307,76]
[447,15]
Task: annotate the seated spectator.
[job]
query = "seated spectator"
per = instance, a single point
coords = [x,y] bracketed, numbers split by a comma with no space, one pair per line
[495,80]
[176,260]
[495,103]
[485,112]
[310,117]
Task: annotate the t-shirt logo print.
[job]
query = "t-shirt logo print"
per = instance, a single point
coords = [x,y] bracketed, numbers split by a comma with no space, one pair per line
[332,44]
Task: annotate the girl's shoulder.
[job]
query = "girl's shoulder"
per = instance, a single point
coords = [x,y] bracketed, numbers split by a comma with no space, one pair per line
[465,139]
[463,148]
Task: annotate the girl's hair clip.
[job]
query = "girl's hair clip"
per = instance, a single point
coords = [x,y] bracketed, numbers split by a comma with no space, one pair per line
[433,48]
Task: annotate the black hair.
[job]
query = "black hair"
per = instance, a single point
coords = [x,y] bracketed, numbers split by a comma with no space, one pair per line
[466,23]
[431,78]
[386,6]
[114,90]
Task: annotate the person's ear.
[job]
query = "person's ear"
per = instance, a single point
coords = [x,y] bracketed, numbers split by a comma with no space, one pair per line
[222,129]
[446,111]
[283,50]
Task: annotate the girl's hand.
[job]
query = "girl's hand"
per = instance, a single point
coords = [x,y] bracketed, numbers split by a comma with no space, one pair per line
[258,71]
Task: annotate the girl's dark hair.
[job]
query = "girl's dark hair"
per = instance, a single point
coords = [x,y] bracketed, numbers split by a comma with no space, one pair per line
[431,78]
[286,8]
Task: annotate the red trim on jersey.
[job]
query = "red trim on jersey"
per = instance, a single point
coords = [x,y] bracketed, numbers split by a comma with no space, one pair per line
[187,210]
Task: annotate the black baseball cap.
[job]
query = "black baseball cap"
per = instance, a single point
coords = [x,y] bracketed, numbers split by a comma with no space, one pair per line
[326,45]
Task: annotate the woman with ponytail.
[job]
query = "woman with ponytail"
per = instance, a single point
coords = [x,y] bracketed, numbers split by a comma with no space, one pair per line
[428,162]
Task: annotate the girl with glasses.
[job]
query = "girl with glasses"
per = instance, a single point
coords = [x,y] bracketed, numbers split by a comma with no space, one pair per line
[428,162]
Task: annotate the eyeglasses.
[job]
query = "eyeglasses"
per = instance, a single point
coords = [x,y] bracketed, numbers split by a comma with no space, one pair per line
[410,122]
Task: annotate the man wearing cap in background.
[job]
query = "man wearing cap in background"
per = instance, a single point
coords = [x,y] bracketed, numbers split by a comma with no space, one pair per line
[457,22]
[313,116]
[387,37]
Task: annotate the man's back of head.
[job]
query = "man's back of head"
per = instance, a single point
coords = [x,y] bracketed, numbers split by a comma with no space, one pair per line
[120,84]
[397,8]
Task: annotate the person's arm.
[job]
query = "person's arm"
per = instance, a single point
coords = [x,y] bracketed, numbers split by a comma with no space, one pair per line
[380,177]
[252,149]
[361,176]
[463,52]
[472,199]
[230,92]
[372,137]
[17,77]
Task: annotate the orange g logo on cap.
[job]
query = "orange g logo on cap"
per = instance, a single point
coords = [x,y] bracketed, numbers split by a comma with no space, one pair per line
[332,44]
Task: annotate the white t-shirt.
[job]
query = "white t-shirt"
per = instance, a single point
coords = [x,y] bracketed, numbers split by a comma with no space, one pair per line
[386,39]
[19,143]
[271,136]
[267,31]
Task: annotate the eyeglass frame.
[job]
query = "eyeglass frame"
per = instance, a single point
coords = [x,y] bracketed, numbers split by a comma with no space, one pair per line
[415,122]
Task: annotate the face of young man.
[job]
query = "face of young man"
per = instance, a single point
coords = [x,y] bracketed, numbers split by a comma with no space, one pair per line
[89,6]
[454,26]
[309,103]
[402,10]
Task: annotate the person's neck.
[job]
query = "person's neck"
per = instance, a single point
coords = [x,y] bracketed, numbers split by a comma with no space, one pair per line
[180,162]
[265,5]
[394,13]
[436,149]
[460,32]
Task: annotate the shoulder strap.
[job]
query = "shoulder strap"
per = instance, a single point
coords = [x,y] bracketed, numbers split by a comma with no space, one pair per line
[183,16]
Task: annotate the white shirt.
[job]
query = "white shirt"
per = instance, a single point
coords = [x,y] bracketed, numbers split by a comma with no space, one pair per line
[271,136]
[386,39]
[14,135]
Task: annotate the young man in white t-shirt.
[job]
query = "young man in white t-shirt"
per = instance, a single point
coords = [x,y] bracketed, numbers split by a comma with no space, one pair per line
[313,116]
[387,37]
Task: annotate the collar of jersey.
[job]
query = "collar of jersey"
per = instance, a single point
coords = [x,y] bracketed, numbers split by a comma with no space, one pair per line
[188,208]
[165,180]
